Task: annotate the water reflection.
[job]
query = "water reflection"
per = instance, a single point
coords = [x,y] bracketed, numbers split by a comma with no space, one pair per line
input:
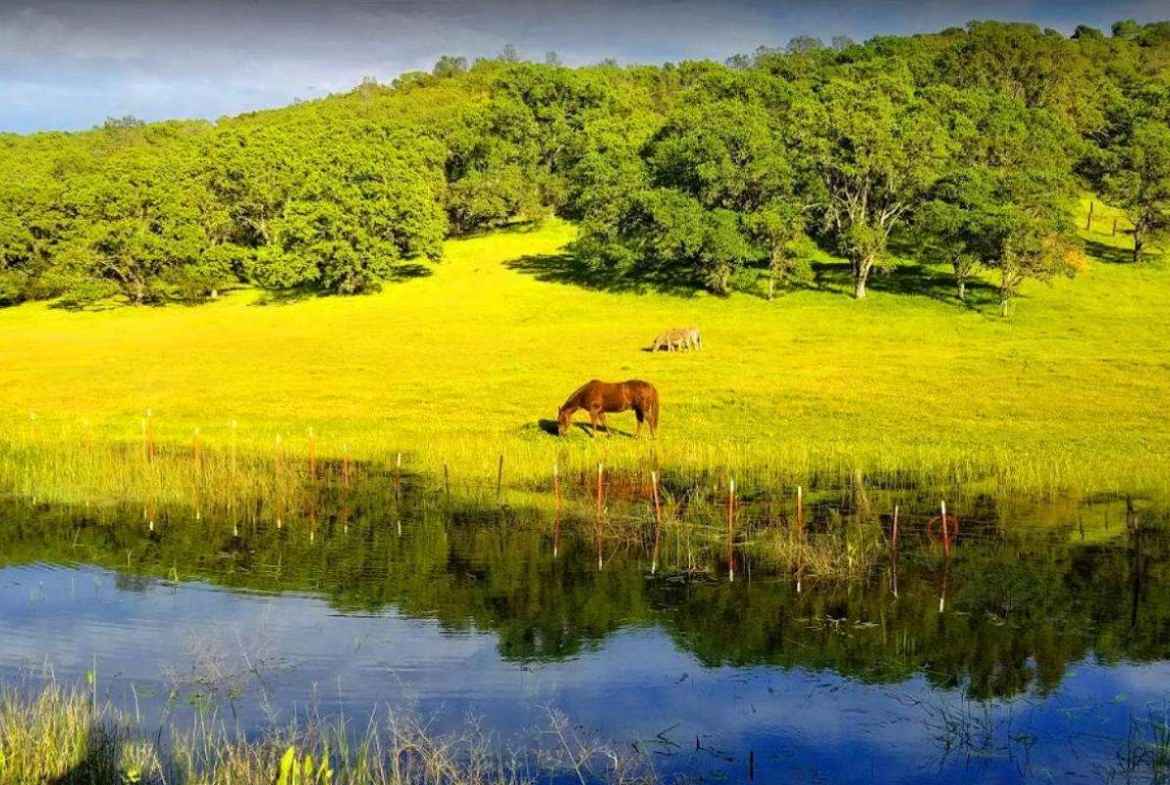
[1057,614]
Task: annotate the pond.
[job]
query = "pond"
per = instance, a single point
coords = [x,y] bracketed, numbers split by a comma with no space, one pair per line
[1035,648]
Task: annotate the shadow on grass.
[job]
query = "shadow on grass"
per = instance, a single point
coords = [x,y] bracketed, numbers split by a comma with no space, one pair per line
[908,280]
[400,273]
[567,268]
[102,759]
[509,227]
[284,296]
[83,306]
[408,272]
[550,428]
[1111,254]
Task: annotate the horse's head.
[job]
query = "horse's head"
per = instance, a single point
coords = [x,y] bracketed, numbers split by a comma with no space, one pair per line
[564,417]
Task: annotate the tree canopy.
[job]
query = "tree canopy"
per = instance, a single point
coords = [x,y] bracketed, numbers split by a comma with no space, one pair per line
[967,148]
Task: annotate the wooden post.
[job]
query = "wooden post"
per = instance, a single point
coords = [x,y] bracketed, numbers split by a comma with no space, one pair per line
[894,538]
[942,595]
[731,531]
[600,492]
[657,523]
[500,479]
[799,510]
[557,489]
[894,555]
[1115,226]
[946,538]
[800,535]
[345,465]
[312,456]
[1089,220]
[148,435]
[600,511]
[556,511]
[398,478]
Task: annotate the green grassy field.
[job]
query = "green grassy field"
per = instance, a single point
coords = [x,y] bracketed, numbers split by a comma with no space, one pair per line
[461,365]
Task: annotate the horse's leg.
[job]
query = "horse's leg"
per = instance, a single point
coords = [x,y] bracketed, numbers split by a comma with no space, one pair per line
[605,424]
[639,415]
[593,420]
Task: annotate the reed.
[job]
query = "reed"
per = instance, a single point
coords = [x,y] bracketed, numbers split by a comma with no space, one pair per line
[226,465]
[56,734]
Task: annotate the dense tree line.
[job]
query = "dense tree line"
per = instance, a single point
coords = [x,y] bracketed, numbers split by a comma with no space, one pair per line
[966,148]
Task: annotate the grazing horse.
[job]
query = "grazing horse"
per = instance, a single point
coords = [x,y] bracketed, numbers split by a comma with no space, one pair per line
[599,397]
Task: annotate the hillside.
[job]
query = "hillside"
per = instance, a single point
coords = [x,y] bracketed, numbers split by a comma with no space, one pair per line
[503,231]
[462,364]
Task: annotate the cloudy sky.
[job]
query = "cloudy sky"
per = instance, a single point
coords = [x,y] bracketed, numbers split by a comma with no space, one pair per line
[68,64]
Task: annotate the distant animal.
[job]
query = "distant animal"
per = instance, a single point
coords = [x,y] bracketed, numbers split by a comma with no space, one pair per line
[598,398]
[677,338]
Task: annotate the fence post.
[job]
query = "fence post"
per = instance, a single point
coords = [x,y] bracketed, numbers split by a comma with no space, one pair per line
[946,536]
[556,511]
[731,531]
[500,479]
[312,456]
[600,511]
[657,523]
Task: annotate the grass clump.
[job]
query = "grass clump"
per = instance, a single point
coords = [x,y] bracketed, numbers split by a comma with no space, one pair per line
[54,735]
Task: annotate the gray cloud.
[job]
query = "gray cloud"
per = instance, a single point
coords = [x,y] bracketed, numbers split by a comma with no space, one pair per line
[71,63]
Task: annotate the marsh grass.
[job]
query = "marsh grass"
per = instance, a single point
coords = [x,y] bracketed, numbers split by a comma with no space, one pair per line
[845,533]
[1145,755]
[55,735]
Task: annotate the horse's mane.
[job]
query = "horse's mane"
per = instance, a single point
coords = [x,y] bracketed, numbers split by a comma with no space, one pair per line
[572,399]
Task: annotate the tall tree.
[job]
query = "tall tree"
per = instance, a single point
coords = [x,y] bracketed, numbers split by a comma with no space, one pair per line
[1141,183]
[877,148]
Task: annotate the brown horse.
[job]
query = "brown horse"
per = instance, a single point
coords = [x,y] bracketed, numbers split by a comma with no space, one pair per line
[599,397]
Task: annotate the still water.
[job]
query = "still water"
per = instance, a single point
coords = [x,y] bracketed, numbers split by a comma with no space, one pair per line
[1038,651]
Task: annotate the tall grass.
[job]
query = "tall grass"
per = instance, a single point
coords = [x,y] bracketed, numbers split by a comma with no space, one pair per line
[56,735]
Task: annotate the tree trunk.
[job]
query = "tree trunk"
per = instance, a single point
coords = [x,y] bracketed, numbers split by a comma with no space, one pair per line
[1004,296]
[962,289]
[860,276]
[771,286]
[1138,241]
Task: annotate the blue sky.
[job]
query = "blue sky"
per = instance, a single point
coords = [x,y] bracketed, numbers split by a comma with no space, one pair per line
[69,64]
